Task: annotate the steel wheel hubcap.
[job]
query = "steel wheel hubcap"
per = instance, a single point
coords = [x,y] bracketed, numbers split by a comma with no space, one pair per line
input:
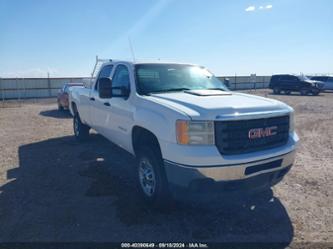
[147,177]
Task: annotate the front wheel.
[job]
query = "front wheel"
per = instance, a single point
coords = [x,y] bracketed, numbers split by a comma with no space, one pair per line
[315,92]
[81,131]
[152,179]
[304,91]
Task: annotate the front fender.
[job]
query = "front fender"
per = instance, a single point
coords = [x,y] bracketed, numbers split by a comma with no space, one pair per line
[157,123]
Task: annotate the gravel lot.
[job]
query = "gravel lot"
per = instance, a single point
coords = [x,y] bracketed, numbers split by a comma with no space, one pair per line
[55,189]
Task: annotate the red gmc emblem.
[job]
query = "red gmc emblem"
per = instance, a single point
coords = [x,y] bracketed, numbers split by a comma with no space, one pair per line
[262,132]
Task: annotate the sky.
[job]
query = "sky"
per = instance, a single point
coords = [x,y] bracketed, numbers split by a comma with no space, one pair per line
[229,37]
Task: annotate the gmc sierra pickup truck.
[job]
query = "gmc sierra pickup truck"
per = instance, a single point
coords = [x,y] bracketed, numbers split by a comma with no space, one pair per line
[187,130]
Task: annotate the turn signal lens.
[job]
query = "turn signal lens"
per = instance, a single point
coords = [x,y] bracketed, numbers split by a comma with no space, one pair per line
[182,131]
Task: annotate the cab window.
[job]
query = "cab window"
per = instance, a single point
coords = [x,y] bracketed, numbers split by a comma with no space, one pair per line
[121,77]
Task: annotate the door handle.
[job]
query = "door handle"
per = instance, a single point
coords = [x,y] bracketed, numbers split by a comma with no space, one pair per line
[107,104]
[92,99]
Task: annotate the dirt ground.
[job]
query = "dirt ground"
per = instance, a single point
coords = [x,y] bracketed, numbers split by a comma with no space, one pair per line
[55,189]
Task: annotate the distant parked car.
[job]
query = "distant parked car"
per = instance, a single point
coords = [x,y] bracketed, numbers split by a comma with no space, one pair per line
[288,83]
[327,80]
[62,97]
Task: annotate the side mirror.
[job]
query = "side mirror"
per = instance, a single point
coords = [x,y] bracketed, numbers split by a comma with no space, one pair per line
[120,91]
[104,88]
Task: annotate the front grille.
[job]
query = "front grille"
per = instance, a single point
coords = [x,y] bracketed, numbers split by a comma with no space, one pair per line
[232,137]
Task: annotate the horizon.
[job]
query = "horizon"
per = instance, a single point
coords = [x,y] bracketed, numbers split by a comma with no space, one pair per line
[244,37]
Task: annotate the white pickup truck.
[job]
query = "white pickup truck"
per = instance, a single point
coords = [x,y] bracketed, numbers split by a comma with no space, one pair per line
[187,130]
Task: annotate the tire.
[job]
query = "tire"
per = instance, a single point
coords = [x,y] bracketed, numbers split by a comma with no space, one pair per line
[315,92]
[276,90]
[81,131]
[304,91]
[60,107]
[152,180]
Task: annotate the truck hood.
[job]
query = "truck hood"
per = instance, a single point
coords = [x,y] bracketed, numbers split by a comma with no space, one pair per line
[312,81]
[216,104]
[315,82]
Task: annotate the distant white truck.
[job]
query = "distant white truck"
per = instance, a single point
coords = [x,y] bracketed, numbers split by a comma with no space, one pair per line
[187,130]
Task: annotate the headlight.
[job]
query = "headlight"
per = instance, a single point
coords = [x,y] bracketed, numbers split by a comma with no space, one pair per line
[291,122]
[195,132]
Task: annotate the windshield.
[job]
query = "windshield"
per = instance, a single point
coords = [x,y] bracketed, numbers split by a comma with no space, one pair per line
[155,78]
[303,77]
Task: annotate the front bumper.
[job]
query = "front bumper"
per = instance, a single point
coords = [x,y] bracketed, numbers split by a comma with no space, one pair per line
[262,173]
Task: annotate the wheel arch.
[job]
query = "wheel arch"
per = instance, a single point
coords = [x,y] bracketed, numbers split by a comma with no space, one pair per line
[73,107]
[144,137]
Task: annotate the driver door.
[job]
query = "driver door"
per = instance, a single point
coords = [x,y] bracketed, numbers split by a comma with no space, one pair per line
[118,126]
[297,84]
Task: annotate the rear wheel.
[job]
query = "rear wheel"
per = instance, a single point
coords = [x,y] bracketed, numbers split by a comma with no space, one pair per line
[304,91]
[60,107]
[276,90]
[81,131]
[152,179]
